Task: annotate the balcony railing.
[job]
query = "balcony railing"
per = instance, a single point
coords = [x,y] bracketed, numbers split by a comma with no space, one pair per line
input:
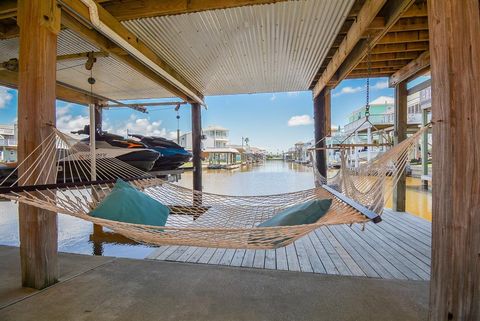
[381,119]
[8,142]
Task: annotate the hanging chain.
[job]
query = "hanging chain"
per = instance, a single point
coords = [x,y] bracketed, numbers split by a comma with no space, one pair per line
[367,105]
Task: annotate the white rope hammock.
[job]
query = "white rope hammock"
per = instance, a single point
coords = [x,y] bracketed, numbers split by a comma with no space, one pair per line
[55,177]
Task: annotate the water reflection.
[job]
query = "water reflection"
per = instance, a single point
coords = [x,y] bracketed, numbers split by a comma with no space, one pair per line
[79,236]
[280,177]
[74,236]
[272,177]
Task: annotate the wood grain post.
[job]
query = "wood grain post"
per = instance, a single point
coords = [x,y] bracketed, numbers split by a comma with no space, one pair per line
[454,28]
[39,23]
[321,111]
[400,134]
[197,150]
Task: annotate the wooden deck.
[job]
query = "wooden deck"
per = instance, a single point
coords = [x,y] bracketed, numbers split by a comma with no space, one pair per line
[397,248]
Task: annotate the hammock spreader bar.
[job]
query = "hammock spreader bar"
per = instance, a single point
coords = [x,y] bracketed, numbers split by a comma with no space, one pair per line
[44,187]
[362,209]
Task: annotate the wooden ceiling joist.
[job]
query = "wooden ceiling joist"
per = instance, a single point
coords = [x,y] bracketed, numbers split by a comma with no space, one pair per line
[411,69]
[403,55]
[405,36]
[78,9]
[400,47]
[382,64]
[353,48]
[363,20]
[136,9]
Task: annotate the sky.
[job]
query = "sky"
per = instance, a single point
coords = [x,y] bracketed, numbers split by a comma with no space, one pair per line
[274,121]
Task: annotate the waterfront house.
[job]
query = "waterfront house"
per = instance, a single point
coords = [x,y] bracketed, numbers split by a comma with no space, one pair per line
[8,143]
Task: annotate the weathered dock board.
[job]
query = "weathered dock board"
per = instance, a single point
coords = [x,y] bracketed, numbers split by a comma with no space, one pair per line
[397,248]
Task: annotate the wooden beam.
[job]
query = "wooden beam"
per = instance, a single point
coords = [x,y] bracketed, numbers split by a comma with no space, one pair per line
[404,36]
[382,74]
[382,64]
[135,9]
[393,10]
[403,24]
[364,18]
[321,115]
[79,9]
[413,68]
[81,55]
[106,45]
[392,56]
[10,79]
[418,9]
[39,24]
[399,135]
[455,66]
[400,47]
[197,149]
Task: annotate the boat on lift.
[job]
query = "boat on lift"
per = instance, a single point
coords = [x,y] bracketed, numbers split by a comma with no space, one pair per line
[172,155]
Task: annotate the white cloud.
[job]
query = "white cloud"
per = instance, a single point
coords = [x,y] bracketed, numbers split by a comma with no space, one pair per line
[348,90]
[67,122]
[143,126]
[273,97]
[380,85]
[300,120]
[5,97]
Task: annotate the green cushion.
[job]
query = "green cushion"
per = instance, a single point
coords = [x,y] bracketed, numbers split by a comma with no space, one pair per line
[127,204]
[304,213]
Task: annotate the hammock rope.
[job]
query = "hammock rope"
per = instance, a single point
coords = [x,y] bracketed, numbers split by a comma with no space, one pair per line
[56,177]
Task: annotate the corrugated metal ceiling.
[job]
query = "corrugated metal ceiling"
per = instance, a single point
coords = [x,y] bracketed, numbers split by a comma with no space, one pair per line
[265,48]
[114,79]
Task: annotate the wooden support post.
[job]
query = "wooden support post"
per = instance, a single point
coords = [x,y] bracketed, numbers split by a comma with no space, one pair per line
[39,23]
[455,66]
[425,148]
[197,146]
[321,110]
[400,134]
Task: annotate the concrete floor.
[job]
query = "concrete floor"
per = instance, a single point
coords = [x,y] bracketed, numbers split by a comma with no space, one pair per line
[102,288]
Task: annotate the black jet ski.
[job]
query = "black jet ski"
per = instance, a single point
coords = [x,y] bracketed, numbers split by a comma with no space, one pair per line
[129,151]
[172,155]
[108,145]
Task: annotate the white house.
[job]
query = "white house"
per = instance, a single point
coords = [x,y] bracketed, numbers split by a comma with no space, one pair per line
[213,137]
[8,143]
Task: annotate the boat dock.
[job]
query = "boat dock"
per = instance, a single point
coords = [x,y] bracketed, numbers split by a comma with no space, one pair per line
[397,248]
[107,288]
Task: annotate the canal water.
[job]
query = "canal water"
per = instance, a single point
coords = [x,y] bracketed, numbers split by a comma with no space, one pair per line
[272,177]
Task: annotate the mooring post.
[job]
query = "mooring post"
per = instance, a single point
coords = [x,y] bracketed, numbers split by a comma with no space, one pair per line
[39,23]
[400,134]
[321,114]
[197,149]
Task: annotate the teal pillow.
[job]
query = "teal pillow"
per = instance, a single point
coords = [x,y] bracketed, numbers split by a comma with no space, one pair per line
[304,213]
[127,204]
